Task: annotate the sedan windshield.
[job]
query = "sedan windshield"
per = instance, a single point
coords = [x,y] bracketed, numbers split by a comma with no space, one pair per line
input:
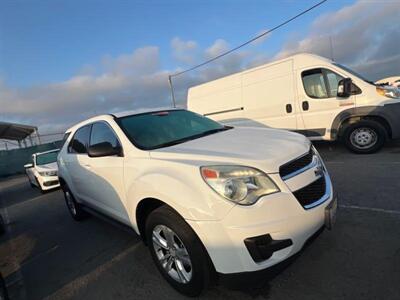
[167,128]
[46,158]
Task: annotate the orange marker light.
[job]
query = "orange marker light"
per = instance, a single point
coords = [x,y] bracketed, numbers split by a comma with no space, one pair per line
[208,173]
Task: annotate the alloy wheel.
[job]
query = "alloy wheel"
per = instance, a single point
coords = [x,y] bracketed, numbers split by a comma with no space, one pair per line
[172,254]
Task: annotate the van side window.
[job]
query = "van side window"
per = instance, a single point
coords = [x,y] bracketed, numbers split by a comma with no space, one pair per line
[323,83]
[102,133]
[333,81]
[314,83]
[80,140]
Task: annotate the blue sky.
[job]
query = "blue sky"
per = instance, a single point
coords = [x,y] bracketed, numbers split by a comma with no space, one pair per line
[51,40]
[62,61]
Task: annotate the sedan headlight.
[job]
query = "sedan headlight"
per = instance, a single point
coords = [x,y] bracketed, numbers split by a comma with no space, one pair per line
[48,173]
[242,185]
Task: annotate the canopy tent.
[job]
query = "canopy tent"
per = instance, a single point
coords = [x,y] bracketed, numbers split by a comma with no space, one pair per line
[16,132]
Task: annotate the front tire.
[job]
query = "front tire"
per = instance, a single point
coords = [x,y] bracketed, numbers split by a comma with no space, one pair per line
[365,137]
[178,253]
[74,208]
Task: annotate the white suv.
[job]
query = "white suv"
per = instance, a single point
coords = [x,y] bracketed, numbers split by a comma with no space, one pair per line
[206,198]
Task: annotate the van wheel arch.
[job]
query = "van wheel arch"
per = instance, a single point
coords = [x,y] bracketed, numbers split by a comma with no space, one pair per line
[354,119]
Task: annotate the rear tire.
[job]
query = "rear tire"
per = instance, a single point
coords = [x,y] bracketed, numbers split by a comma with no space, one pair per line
[182,260]
[365,137]
[74,208]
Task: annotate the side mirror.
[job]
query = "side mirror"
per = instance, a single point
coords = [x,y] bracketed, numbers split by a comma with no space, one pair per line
[344,88]
[28,166]
[103,149]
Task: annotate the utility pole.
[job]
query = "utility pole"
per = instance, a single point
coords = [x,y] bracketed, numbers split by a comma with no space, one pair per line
[172,90]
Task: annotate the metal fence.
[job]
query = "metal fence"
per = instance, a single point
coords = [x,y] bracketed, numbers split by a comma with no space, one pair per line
[12,161]
[32,140]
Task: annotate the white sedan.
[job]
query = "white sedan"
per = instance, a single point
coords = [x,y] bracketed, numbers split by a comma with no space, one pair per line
[42,171]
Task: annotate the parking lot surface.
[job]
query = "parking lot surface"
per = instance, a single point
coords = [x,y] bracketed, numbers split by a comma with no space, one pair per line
[47,255]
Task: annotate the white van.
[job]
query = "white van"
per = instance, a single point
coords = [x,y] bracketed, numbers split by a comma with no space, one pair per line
[308,94]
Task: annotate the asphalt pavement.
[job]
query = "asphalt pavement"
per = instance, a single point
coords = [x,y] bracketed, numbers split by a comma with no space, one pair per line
[47,255]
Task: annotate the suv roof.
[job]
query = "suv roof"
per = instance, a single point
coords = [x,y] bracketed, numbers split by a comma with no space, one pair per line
[118,115]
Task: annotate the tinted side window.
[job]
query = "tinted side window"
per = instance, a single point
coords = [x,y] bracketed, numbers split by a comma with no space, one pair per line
[314,83]
[80,140]
[102,133]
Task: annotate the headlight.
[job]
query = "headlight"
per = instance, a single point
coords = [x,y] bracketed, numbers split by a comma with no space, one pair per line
[388,91]
[242,185]
[48,173]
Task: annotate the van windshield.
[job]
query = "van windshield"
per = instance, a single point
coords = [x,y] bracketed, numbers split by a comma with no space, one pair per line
[167,128]
[46,158]
[353,73]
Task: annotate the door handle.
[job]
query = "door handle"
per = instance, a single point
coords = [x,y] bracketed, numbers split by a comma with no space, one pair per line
[305,105]
[289,108]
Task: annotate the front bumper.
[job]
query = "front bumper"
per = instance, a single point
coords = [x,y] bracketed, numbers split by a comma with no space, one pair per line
[48,182]
[279,215]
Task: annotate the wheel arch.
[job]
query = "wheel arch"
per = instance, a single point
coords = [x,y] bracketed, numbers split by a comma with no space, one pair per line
[354,119]
[62,181]
[353,115]
[142,212]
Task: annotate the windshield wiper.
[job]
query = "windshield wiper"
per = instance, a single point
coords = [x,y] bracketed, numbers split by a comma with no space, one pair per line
[193,137]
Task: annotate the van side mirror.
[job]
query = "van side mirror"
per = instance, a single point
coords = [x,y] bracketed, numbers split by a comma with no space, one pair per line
[344,88]
[28,166]
[103,149]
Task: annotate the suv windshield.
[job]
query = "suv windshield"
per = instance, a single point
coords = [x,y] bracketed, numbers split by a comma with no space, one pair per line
[167,128]
[46,158]
[353,73]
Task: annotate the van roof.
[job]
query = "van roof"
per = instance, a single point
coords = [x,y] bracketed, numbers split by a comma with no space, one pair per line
[303,57]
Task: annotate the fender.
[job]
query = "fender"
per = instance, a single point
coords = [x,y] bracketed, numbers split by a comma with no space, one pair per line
[389,112]
[190,197]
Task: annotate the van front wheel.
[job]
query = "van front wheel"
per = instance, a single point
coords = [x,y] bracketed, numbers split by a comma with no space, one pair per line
[365,137]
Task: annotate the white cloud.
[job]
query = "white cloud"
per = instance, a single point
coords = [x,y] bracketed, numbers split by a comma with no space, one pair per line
[220,46]
[184,51]
[363,34]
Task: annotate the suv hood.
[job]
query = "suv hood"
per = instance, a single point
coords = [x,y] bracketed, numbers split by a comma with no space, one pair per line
[48,167]
[263,148]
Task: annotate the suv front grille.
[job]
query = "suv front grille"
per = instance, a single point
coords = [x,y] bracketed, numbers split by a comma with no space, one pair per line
[295,165]
[311,193]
